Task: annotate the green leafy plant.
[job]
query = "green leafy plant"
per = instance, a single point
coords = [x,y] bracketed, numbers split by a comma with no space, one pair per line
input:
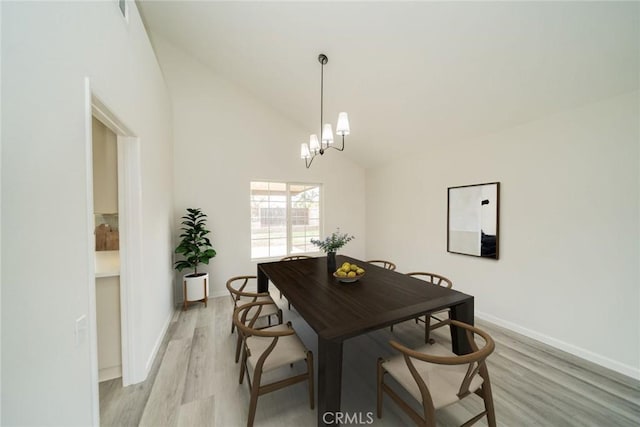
[333,242]
[195,246]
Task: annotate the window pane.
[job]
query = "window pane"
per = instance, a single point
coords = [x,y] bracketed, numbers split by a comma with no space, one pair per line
[260,248]
[278,247]
[278,208]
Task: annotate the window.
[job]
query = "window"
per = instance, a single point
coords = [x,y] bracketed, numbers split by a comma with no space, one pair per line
[284,218]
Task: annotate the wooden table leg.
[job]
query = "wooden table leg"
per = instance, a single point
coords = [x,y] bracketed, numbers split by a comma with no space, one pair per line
[263,281]
[329,380]
[462,313]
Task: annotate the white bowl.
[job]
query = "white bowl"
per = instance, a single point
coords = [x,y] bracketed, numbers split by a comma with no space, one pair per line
[348,279]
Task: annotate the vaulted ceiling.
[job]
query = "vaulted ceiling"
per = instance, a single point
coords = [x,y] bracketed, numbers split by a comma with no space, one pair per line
[411,74]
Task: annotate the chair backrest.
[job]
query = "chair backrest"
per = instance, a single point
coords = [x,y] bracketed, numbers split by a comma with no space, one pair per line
[295,257]
[383,263]
[475,360]
[245,317]
[436,279]
[236,287]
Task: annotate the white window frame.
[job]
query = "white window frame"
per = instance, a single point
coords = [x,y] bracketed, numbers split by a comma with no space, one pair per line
[289,230]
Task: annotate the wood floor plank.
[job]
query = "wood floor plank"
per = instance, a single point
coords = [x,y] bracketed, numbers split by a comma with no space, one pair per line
[186,323]
[597,399]
[606,380]
[198,413]
[207,317]
[533,384]
[123,406]
[166,395]
[200,380]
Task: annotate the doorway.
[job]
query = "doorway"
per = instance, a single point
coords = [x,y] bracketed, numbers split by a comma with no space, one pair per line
[107,251]
[128,257]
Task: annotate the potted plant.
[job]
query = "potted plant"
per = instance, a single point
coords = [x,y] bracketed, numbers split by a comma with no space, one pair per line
[195,248]
[330,245]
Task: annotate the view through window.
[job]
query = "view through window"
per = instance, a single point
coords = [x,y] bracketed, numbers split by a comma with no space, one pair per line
[284,218]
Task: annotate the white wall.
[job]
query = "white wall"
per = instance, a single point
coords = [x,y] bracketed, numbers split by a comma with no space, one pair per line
[105,169]
[569,230]
[224,139]
[48,49]
[108,324]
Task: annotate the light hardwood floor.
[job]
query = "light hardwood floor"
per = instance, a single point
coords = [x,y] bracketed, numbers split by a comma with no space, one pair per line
[194,381]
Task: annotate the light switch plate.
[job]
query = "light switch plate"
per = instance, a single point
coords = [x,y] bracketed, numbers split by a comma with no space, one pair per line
[81,330]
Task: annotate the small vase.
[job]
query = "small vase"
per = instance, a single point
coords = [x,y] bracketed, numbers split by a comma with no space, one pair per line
[331,262]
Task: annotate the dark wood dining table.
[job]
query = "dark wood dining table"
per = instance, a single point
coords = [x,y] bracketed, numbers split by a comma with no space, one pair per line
[338,311]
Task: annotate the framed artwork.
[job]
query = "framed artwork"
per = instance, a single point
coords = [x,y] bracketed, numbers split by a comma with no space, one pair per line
[473,213]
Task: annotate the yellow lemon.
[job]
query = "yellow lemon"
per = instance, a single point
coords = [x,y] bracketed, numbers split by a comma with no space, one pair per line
[346,266]
[341,273]
[359,271]
[351,274]
[354,267]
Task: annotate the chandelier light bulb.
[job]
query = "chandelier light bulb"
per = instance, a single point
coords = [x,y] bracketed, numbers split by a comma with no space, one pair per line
[342,128]
[304,151]
[314,144]
[327,134]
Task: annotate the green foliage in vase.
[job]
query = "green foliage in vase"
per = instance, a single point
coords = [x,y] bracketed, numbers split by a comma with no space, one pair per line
[333,242]
[195,246]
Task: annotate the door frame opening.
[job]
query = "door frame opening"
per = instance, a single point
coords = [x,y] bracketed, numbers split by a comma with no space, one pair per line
[130,236]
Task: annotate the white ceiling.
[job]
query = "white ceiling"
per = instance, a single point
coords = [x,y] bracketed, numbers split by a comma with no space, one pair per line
[411,73]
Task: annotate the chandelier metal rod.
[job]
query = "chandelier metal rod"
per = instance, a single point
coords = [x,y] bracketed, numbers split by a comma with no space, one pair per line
[323,60]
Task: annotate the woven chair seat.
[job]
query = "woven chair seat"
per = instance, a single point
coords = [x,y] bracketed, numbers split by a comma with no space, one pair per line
[288,350]
[443,381]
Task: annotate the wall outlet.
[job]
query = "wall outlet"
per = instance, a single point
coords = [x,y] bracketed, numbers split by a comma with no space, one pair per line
[81,330]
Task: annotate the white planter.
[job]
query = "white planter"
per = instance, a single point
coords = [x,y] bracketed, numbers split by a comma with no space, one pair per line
[195,288]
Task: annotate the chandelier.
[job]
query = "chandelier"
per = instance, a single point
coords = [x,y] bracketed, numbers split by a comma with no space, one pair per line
[309,151]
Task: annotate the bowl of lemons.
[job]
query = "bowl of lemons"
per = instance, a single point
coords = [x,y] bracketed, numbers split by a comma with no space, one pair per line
[348,273]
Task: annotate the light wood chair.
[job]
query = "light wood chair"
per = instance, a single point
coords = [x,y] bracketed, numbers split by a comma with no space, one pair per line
[239,297]
[437,316]
[293,258]
[383,263]
[437,377]
[269,349]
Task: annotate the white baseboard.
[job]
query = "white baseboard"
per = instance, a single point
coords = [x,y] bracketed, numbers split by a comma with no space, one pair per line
[212,294]
[219,293]
[157,345]
[106,374]
[627,370]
